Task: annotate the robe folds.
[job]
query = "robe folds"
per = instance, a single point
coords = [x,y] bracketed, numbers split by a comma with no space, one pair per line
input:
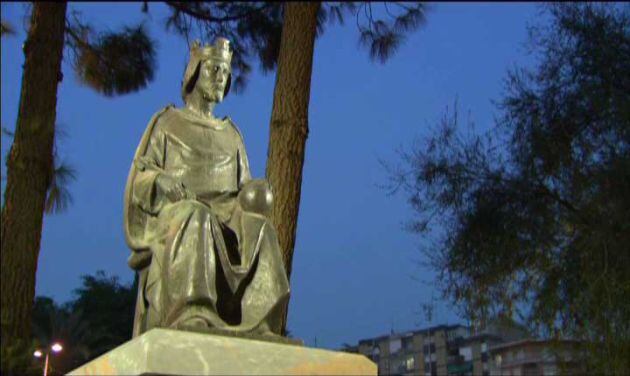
[203,261]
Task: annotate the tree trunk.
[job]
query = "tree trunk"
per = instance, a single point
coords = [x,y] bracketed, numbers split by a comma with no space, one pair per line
[29,169]
[289,123]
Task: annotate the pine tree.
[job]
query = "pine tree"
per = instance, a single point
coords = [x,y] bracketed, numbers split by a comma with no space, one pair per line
[29,169]
[111,63]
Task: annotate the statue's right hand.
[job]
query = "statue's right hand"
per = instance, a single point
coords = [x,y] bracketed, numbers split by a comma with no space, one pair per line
[172,188]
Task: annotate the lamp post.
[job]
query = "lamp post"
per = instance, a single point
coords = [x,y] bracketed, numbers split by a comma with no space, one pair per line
[55,348]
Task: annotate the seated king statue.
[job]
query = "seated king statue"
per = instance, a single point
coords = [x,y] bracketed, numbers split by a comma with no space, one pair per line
[207,255]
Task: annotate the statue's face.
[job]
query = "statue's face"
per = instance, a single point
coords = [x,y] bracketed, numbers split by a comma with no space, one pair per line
[213,76]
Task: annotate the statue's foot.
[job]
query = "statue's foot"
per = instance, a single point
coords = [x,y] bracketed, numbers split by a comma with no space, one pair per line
[192,324]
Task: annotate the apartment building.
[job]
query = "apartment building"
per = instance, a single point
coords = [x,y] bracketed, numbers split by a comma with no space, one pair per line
[420,352]
[531,357]
[439,350]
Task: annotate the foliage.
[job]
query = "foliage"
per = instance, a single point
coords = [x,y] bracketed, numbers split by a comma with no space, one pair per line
[6,29]
[254,28]
[535,215]
[112,63]
[383,38]
[53,323]
[108,307]
[98,319]
[17,358]
[58,196]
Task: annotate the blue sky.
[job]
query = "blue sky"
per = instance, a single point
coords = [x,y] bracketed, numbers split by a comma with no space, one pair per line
[355,271]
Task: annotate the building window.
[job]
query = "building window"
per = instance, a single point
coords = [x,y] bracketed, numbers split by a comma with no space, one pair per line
[498,360]
[399,366]
[394,346]
[409,363]
[484,347]
[385,366]
[376,354]
[484,357]
[407,343]
[466,353]
[509,356]
[429,348]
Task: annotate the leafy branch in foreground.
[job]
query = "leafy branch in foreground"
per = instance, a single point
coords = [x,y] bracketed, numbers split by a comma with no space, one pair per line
[6,29]
[58,196]
[112,63]
[254,28]
[533,218]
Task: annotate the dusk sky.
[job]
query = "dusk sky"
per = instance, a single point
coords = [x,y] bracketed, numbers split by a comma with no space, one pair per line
[356,272]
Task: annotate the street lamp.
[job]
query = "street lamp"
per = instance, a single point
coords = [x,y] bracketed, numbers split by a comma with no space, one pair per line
[55,348]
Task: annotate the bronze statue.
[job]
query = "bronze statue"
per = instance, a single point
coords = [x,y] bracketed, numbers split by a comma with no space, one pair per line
[196,222]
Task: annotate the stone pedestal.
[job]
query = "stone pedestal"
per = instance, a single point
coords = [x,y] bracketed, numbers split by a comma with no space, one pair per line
[172,352]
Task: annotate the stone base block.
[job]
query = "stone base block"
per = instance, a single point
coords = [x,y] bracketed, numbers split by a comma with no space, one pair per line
[173,352]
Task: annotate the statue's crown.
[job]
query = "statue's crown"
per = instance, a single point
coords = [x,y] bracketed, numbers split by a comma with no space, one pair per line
[220,51]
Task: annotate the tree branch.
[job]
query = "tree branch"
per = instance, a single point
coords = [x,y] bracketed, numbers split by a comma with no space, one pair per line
[206,16]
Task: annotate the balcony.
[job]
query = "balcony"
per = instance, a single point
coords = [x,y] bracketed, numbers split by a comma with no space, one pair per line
[455,359]
[459,369]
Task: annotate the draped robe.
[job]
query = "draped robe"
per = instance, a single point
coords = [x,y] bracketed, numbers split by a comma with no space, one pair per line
[203,262]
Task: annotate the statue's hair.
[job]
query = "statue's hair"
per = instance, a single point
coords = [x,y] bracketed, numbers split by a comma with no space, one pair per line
[190,85]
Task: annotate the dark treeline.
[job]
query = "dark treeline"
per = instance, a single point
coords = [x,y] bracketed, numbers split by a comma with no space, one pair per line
[96,320]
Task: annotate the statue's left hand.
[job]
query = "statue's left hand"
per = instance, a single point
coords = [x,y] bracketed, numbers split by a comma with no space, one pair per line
[173,189]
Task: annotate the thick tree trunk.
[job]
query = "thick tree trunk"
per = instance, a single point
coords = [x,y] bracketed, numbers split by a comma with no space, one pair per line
[289,122]
[29,169]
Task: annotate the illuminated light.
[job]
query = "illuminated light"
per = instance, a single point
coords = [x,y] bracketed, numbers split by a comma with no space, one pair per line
[56,347]
[37,354]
